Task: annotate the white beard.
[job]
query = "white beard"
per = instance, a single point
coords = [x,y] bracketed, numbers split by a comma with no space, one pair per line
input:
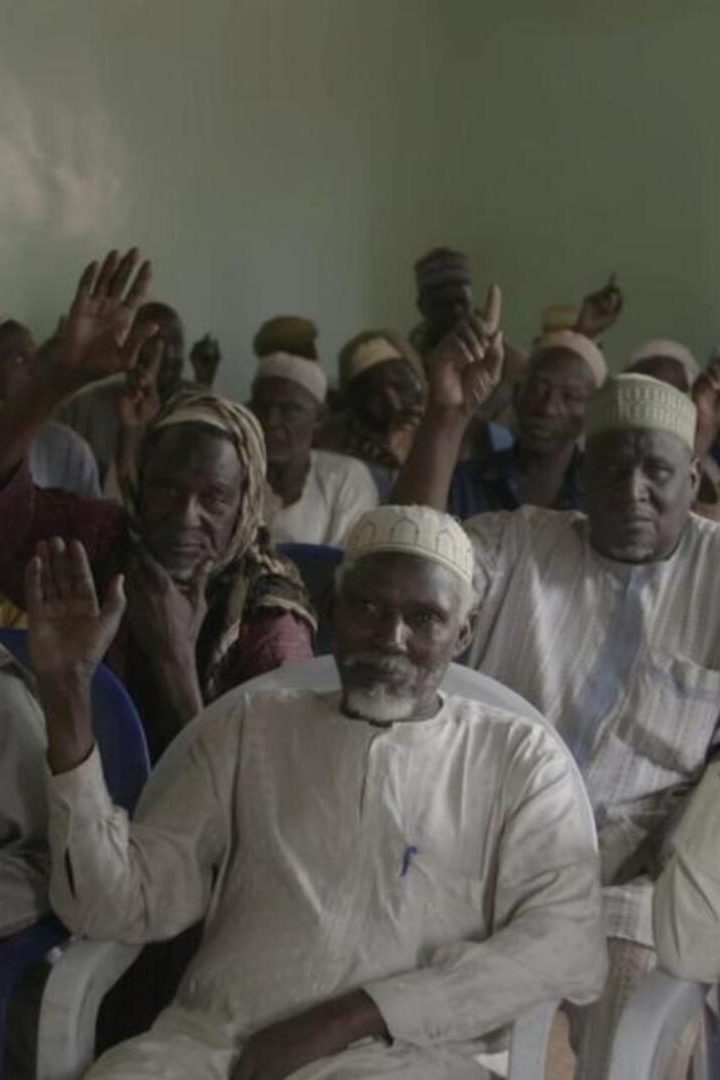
[380,706]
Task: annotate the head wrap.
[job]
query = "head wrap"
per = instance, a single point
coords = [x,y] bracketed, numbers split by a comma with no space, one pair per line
[413,530]
[578,344]
[249,574]
[306,373]
[639,403]
[441,266]
[559,317]
[287,333]
[373,347]
[668,350]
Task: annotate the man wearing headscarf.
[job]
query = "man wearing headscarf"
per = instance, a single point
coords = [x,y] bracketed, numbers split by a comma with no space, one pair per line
[209,603]
[387,874]
[314,496]
[382,392]
[608,623]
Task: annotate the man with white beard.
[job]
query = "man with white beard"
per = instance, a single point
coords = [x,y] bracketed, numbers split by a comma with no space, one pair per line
[386,873]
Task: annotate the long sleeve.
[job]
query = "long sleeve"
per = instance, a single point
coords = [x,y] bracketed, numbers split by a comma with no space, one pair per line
[686,905]
[548,940]
[30,514]
[149,879]
[24,864]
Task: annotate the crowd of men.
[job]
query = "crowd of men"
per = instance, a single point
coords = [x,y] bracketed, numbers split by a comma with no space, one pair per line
[391,872]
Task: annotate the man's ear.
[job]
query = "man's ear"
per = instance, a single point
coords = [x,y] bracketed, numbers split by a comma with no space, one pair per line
[466,633]
[696,473]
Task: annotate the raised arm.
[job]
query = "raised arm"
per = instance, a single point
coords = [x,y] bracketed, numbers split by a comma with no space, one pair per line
[111,879]
[463,374]
[95,340]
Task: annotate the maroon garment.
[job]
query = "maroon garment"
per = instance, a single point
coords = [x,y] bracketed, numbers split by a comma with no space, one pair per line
[28,514]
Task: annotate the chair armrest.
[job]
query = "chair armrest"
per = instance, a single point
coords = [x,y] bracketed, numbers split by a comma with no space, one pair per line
[529,1041]
[79,980]
[652,1021]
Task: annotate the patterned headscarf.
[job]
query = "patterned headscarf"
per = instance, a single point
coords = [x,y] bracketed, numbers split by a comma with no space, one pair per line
[249,575]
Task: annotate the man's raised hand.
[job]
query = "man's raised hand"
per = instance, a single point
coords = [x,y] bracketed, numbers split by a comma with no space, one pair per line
[97,338]
[69,630]
[467,365]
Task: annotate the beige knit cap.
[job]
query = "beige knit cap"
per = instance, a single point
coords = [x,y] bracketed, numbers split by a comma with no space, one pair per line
[414,530]
[578,344]
[669,350]
[640,403]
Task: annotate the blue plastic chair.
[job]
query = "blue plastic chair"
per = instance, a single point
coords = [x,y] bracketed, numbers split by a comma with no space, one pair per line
[317,564]
[126,765]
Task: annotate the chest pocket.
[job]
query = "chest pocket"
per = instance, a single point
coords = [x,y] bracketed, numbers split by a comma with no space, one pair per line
[673,713]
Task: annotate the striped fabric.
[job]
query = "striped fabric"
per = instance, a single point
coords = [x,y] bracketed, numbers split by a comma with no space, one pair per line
[624,660]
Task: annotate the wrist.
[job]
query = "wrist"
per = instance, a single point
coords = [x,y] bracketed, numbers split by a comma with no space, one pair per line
[450,419]
[361,1017]
[66,701]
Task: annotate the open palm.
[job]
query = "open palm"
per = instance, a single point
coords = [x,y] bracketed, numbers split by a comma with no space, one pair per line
[706,395]
[68,628]
[97,338]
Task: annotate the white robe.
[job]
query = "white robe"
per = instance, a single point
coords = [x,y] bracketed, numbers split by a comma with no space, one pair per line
[445,866]
[338,490]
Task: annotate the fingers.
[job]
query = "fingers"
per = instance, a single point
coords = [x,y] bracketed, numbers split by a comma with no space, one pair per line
[139,334]
[140,287]
[492,311]
[34,595]
[104,278]
[150,375]
[79,577]
[115,601]
[116,286]
[87,281]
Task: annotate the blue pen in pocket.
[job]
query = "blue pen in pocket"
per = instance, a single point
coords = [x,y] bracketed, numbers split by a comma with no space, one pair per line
[408,853]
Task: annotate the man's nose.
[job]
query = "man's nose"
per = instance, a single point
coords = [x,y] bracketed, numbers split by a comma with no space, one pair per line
[633,489]
[392,634]
[188,511]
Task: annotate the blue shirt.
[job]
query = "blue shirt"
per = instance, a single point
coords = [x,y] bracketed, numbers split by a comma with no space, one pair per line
[495,483]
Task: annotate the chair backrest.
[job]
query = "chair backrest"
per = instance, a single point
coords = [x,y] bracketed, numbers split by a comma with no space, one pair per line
[317,564]
[322,674]
[117,726]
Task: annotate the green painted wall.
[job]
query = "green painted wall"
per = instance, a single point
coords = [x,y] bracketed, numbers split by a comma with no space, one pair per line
[295,155]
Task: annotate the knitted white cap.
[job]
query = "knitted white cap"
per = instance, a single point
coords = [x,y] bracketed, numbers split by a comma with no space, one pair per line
[670,350]
[639,403]
[413,530]
[578,344]
[306,373]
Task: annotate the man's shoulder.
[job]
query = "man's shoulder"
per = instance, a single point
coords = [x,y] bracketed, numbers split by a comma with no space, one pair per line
[507,735]
[532,523]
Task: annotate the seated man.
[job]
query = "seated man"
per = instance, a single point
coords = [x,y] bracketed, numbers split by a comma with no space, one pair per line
[210,603]
[444,297]
[668,361]
[609,624]
[542,467]
[315,496]
[686,904]
[94,410]
[387,873]
[24,863]
[382,393]
[59,457]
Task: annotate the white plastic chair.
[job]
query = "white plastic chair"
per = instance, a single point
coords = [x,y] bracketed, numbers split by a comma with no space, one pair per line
[651,1024]
[86,970]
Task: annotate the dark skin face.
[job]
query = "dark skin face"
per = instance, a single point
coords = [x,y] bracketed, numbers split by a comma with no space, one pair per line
[288,415]
[398,624]
[639,486]
[18,360]
[170,333]
[551,402]
[444,306]
[385,393]
[665,369]
[190,490]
